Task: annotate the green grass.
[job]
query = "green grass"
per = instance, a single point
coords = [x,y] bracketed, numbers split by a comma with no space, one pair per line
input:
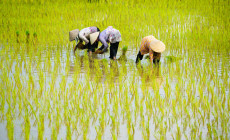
[47,88]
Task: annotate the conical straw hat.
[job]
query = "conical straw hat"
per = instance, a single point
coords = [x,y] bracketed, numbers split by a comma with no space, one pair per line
[157,46]
[93,37]
[73,34]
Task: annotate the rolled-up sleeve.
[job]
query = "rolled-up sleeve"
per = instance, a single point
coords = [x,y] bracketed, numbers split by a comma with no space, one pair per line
[151,55]
[82,37]
[103,41]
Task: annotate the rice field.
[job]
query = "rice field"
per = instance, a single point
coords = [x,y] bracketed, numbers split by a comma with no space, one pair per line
[48,92]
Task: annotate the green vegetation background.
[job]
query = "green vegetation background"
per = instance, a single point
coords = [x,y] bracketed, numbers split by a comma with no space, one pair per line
[36,83]
[187,24]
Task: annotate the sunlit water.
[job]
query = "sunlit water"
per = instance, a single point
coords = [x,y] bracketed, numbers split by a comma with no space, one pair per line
[166,71]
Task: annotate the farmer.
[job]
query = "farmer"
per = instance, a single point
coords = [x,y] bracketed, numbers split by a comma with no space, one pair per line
[113,36]
[154,47]
[87,35]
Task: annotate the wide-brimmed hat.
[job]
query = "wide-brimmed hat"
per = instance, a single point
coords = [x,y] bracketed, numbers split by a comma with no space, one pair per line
[73,34]
[157,46]
[93,37]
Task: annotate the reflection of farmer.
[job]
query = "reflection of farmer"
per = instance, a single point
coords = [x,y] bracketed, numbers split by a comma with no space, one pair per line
[151,76]
[89,35]
[112,36]
[154,47]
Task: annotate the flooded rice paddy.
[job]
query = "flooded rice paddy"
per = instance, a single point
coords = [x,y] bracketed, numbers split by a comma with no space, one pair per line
[64,95]
[48,92]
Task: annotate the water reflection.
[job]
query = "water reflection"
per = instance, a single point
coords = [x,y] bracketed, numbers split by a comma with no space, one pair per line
[123,57]
[151,76]
[96,72]
[93,68]
[114,71]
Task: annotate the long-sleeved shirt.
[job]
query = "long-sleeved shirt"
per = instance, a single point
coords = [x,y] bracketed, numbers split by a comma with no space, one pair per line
[109,35]
[145,48]
[84,33]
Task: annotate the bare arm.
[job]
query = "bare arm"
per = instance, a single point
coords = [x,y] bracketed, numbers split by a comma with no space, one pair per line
[151,55]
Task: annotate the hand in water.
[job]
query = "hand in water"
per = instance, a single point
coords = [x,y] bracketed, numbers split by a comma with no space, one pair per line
[98,51]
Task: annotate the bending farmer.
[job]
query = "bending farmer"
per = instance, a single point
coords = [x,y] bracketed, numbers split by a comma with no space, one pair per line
[84,35]
[154,47]
[113,36]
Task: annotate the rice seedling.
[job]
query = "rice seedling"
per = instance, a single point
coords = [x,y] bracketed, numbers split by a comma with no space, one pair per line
[77,96]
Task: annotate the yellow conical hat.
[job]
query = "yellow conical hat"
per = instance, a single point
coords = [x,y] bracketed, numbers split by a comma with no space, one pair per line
[73,34]
[93,37]
[157,46]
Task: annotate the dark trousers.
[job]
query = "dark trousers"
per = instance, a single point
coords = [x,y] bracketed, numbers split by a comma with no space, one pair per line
[92,47]
[139,57]
[113,49]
